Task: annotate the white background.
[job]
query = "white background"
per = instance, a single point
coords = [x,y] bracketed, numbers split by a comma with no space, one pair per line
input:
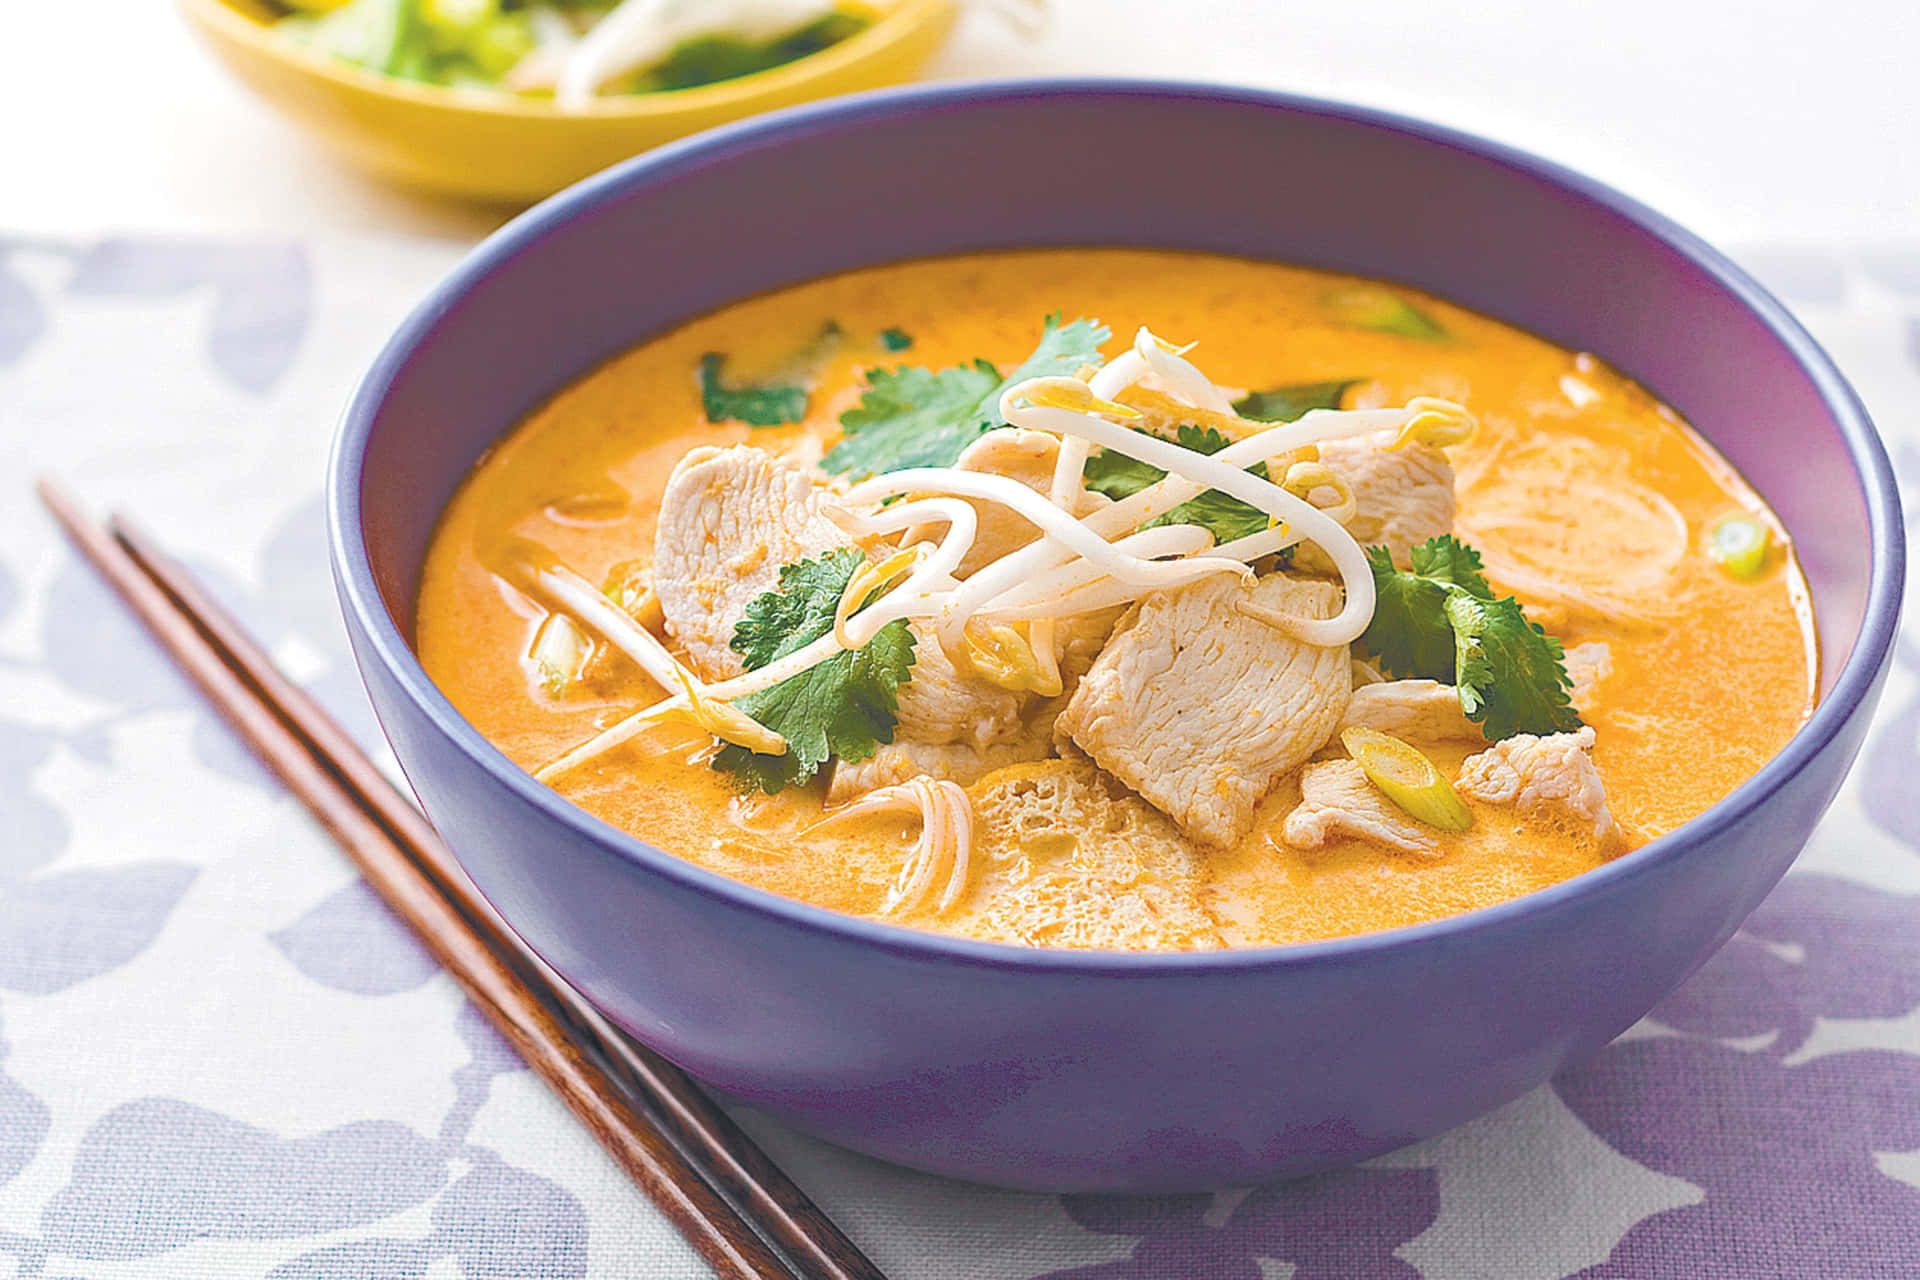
[1760,120]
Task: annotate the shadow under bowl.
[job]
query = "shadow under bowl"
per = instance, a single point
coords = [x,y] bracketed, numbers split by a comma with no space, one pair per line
[1095,1070]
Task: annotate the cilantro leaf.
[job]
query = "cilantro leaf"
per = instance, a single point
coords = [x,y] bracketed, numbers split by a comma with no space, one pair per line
[1297,400]
[1410,633]
[1512,675]
[915,417]
[1115,474]
[772,406]
[1063,349]
[895,339]
[1449,560]
[845,706]
[1226,517]
[912,417]
[798,611]
[1441,621]
[1118,476]
[1207,440]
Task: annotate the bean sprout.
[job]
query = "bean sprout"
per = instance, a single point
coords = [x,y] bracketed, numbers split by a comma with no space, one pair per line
[1053,523]
[1047,404]
[616,626]
[1000,622]
[695,701]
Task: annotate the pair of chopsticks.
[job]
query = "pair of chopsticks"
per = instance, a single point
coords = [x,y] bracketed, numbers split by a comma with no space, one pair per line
[723,1193]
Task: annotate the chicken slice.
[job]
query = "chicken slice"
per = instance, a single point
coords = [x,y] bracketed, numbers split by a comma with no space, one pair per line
[1201,708]
[729,519]
[1429,711]
[1551,777]
[1587,665]
[960,762]
[1404,496]
[1064,856]
[1423,710]
[1337,801]
[1079,639]
[941,706]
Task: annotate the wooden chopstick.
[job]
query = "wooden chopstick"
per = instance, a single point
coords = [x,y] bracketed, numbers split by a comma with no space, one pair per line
[729,1156]
[687,1156]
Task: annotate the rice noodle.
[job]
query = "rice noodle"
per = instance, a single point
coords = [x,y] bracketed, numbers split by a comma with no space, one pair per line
[945,843]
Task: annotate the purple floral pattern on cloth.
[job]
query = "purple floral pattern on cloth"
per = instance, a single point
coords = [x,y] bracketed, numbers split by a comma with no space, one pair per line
[1891,763]
[154,1174]
[260,290]
[1780,1085]
[351,942]
[1338,1226]
[158,1173]
[1784,1149]
[1786,1154]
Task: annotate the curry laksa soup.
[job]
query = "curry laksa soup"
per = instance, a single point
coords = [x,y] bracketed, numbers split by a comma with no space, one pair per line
[1270,605]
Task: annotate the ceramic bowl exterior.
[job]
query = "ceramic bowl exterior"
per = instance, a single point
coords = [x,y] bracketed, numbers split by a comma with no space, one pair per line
[1104,1071]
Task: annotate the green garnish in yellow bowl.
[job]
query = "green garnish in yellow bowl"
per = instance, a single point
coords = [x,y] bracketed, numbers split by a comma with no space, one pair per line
[511,100]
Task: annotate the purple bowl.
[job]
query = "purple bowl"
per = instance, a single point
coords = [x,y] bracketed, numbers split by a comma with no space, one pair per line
[1086,1070]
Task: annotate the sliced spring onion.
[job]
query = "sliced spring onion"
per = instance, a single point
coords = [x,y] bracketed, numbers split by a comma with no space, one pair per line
[559,654]
[1405,776]
[1740,544]
[1383,311]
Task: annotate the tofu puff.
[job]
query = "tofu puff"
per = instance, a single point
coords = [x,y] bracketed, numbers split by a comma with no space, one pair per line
[918,593]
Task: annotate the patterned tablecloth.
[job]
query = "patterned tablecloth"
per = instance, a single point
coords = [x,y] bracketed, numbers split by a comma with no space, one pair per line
[219,1056]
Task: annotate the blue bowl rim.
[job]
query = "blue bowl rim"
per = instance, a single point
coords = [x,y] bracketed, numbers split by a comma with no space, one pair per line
[354,571]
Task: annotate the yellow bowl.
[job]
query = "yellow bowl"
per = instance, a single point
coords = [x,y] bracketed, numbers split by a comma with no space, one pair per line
[498,147]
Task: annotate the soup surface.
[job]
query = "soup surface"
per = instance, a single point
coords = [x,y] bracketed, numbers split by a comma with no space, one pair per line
[1156,799]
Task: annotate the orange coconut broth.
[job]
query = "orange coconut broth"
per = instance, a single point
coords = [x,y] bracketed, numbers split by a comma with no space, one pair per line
[1569,478]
